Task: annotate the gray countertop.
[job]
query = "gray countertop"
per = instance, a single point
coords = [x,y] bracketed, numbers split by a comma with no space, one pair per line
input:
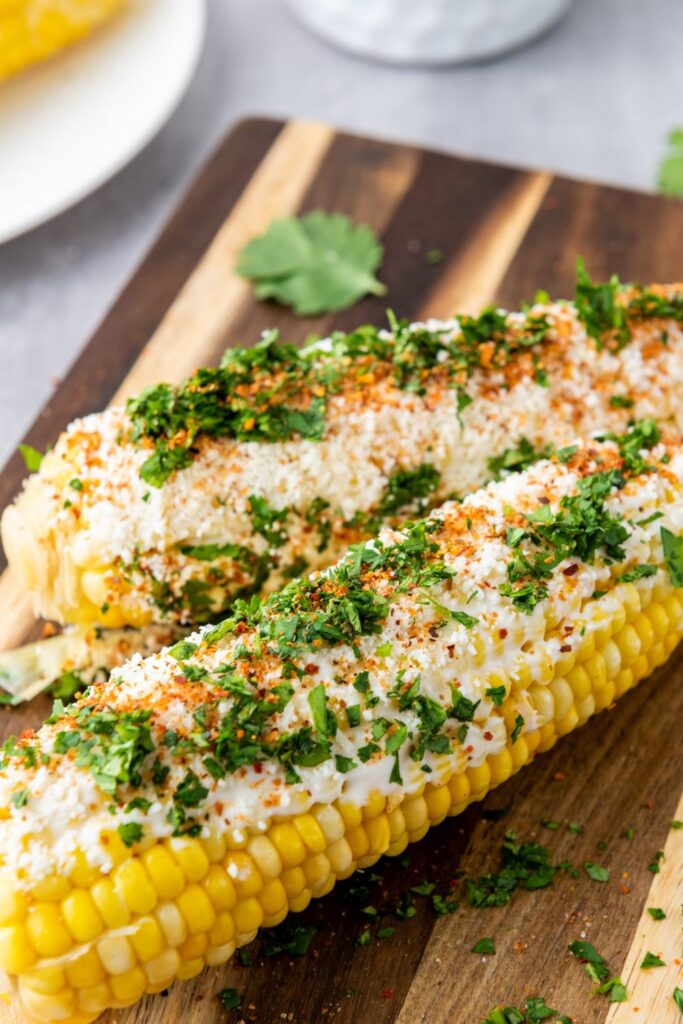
[594,98]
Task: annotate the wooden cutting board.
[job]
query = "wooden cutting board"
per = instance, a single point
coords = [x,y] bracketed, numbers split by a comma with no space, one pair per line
[503,233]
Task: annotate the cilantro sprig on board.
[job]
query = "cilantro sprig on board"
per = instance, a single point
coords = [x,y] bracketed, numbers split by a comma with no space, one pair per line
[318,263]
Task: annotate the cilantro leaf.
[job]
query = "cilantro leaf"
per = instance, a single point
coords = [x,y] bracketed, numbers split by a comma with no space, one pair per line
[651,960]
[318,263]
[31,456]
[671,168]
[673,554]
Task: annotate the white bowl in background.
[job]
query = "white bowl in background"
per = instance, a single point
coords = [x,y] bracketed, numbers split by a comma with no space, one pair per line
[429,31]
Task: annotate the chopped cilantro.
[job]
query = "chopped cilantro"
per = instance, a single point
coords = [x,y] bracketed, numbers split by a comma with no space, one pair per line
[524,866]
[288,938]
[229,998]
[621,402]
[267,521]
[496,694]
[484,946]
[596,872]
[677,997]
[19,798]
[516,459]
[673,555]
[656,913]
[130,832]
[637,572]
[651,960]
[31,456]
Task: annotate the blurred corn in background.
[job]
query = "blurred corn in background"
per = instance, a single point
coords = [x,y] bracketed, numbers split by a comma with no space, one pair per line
[32,30]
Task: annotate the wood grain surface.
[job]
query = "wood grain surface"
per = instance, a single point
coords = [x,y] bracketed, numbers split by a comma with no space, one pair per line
[503,233]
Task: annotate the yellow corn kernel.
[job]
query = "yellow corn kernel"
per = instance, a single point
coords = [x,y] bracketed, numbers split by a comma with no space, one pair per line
[44,979]
[266,857]
[166,875]
[294,882]
[248,915]
[85,971]
[377,830]
[16,952]
[563,698]
[163,969]
[340,856]
[116,848]
[94,999]
[357,838]
[83,874]
[219,888]
[116,954]
[244,874]
[111,906]
[479,778]
[300,902]
[57,1006]
[216,955]
[317,871]
[51,889]
[148,939]
[81,917]
[501,766]
[373,806]
[224,929]
[273,897]
[215,847]
[193,948]
[127,988]
[13,904]
[330,821]
[310,832]
[197,909]
[172,923]
[288,843]
[351,814]
[191,857]
[132,883]
[46,930]
[190,969]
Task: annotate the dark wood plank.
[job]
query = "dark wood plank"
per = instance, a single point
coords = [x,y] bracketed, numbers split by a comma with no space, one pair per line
[616,231]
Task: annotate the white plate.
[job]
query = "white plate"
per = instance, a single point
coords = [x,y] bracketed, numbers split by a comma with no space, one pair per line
[70,124]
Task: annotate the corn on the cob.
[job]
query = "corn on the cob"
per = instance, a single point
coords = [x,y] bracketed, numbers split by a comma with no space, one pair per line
[271,466]
[199,795]
[32,30]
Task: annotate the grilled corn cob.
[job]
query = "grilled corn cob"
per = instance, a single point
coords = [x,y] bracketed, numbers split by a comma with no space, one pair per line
[32,30]
[272,465]
[158,823]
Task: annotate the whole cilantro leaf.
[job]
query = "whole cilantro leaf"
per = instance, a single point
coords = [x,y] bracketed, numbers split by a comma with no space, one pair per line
[671,168]
[318,263]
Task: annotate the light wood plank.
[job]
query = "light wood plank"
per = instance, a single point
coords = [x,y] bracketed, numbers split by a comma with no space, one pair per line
[471,282]
[650,992]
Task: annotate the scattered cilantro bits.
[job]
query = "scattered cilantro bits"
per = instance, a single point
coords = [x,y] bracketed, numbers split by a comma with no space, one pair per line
[317,263]
[535,1011]
[651,960]
[229,999]
[598,971]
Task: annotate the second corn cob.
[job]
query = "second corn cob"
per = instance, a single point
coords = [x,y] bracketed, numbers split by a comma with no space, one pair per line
[271,466]
[33,30]
[214,787]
